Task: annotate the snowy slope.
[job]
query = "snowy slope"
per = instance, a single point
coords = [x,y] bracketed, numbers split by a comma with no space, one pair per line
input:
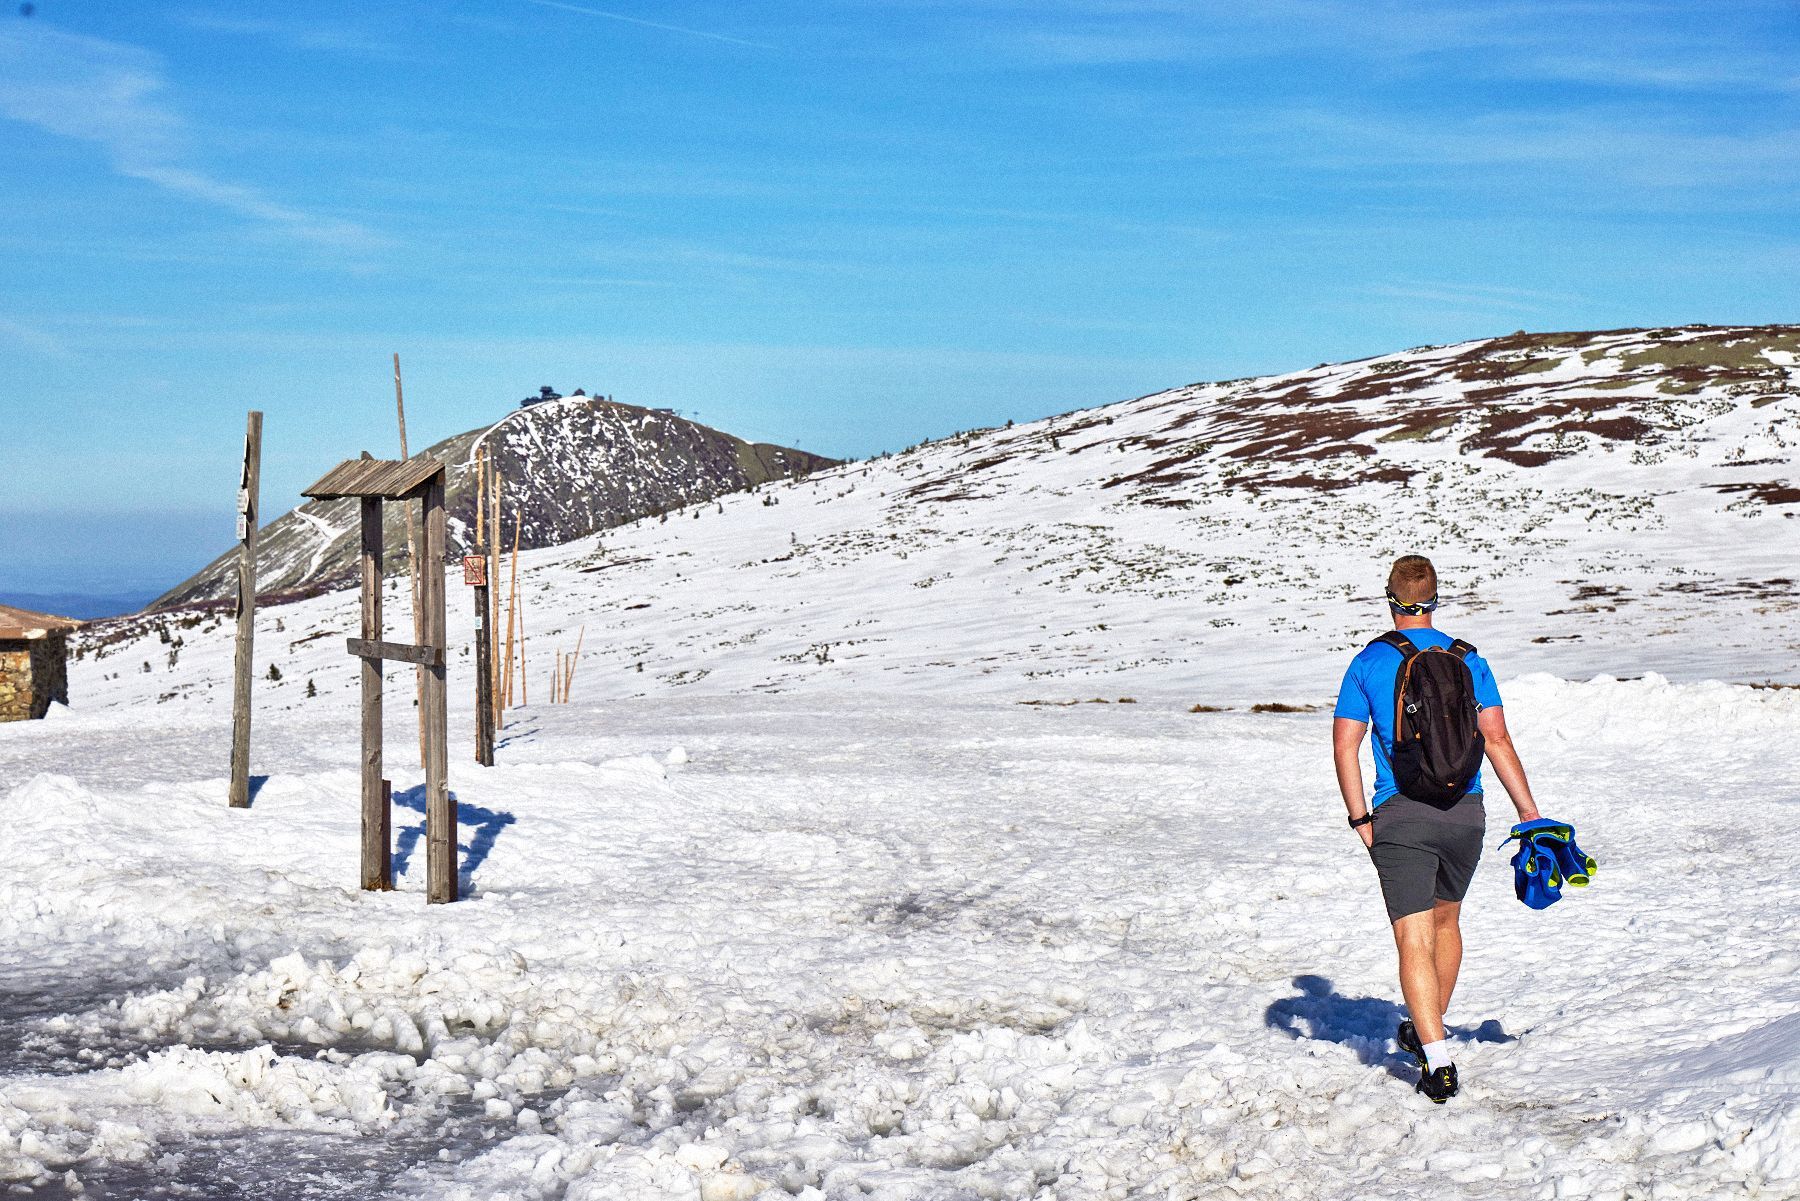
[1597,503]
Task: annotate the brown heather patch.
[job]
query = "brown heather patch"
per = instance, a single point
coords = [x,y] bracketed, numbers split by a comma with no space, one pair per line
[1771,492]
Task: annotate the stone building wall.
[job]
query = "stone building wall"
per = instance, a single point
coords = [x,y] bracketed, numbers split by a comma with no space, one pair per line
[50,672]
[33,673]
[15,681]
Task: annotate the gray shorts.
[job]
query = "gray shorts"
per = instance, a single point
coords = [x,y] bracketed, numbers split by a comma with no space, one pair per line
[1424,853]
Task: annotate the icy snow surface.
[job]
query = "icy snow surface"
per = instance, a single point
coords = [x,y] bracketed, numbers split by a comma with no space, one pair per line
[861,947]
[799,899]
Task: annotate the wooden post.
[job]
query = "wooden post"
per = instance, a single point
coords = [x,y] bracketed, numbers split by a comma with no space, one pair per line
[440,812]
[512,599]
[484,678]
[249,487]
[377,874]
[412,563]
[569,678]
[494,588]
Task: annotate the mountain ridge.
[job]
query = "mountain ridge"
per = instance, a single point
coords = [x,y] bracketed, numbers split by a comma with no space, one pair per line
[1608,504]
[568,467]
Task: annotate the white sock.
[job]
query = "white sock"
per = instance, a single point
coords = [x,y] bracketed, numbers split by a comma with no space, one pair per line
[1437,1054]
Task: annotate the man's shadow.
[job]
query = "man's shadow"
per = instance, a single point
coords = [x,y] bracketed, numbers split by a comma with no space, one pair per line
[485,825]
[1364,1024]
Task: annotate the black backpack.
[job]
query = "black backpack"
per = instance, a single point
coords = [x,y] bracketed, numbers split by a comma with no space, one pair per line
[1437,747]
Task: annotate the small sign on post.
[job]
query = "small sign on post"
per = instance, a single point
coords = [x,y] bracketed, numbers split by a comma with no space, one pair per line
[475,571]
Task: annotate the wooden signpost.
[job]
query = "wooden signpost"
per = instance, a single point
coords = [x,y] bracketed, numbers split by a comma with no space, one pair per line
[475,576]
[374,481]
[249,485]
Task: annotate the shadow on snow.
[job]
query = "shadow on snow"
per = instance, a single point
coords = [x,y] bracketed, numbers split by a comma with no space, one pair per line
[1364,1024]
[484,824]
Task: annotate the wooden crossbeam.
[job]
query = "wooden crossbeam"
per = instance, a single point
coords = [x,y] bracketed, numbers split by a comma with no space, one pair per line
[404,652]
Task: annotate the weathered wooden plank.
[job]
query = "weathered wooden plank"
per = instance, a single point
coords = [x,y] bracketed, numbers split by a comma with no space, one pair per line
[440,810]
[377,874]
[250,486]
[402,652]
[386,478]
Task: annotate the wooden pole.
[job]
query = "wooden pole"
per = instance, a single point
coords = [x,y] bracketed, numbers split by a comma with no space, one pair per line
[512,597]
[573,660]
[377,874]
[524,679]
[484,630]
[249,487]
[412,560]
[440,811]
[494,589]
[484,681]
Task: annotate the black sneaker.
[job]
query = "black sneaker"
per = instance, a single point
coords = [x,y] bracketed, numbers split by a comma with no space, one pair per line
[1440,1085]
[1408,1038]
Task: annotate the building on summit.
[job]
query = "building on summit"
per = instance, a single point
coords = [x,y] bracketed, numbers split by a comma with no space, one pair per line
[34,662]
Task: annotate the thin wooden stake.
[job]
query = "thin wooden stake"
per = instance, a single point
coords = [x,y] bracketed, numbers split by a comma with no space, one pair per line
[524,680]
[250,485]
[573,660]
[512,598]
[412,562]
[494,588]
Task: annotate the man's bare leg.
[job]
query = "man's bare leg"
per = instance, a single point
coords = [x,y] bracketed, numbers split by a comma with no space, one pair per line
[1415,935]
[1448,952]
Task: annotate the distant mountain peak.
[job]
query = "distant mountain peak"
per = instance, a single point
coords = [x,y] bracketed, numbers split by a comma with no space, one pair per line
[569,465]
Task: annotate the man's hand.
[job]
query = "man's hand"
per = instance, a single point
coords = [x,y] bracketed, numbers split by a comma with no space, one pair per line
[1366,832]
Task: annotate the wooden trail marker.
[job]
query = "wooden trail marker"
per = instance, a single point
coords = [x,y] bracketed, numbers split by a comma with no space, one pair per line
[475,575]
[249,487]
[374,481]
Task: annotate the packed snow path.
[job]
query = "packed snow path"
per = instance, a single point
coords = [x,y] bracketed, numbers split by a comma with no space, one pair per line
[835,948]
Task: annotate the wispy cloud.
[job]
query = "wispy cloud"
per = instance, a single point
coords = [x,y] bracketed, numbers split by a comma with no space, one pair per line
[32,340]
[114,96]
[1475,297]
[324,36]
[612,16]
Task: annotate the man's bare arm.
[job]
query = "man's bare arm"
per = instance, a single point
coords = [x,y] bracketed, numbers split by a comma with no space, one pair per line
[1500,752]
[1346,746]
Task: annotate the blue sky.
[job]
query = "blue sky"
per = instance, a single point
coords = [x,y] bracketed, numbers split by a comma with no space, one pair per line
[844,226]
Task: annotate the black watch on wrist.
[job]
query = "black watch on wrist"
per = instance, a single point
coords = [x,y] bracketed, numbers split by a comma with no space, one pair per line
[1364,820]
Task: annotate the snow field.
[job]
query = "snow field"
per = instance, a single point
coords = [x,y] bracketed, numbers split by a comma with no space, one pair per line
[834,946]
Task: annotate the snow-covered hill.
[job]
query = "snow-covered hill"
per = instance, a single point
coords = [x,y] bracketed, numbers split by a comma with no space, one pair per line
[1609,503]
[569,467]
[793,902]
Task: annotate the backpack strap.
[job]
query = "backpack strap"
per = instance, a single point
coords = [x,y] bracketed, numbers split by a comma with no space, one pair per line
[1461,649]
[1401,643]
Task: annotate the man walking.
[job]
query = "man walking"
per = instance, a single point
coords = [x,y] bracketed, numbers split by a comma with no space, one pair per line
[1425,824]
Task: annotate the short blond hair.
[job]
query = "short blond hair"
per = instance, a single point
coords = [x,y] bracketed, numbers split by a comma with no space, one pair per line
[1413,579]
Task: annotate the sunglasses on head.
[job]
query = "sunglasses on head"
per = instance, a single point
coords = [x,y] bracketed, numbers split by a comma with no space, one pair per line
[1411,608]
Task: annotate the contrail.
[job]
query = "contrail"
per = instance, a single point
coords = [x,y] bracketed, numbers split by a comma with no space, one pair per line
[698,33]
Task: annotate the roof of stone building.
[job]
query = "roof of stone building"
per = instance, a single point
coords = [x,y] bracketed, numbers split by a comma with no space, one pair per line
[23,623]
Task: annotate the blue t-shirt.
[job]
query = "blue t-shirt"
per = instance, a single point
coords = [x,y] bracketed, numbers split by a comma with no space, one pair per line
[1367,695]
